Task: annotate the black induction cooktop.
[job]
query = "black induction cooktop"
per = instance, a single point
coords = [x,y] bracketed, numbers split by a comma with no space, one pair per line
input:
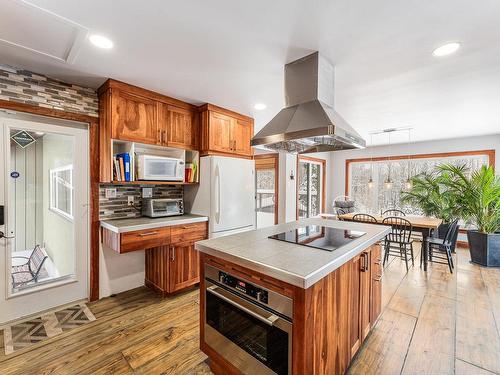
[319,237]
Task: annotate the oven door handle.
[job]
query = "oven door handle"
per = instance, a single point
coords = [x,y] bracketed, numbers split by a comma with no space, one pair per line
[269,321]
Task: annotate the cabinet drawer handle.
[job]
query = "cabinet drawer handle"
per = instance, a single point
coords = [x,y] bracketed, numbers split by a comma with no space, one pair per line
[164,137]
[378,278]
[147,234]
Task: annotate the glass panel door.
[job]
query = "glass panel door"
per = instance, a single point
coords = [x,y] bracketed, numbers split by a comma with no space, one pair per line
[41,209]
[309,188]
[266,191]
[45,193]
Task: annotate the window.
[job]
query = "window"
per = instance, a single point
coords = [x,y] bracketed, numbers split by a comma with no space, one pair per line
[61,191]
[378,198]
[310,187]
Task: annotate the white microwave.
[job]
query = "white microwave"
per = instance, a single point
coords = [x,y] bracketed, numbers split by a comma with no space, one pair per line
[159,168]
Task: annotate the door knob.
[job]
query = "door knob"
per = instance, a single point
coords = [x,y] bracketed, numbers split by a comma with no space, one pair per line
[2,235]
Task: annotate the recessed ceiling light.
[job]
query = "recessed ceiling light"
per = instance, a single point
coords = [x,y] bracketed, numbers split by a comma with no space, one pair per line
[101,41]
[446,49]
[260,106]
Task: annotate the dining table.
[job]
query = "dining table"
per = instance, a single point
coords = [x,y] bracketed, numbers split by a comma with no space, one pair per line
[424,224]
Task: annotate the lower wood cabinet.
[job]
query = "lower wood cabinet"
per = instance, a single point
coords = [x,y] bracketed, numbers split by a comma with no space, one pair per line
[366,295]
[183,267]
[376,284]
[171,261]
[172,268]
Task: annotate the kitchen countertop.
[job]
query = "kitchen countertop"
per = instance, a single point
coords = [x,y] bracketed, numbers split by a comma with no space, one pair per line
[140,223]
[298,265]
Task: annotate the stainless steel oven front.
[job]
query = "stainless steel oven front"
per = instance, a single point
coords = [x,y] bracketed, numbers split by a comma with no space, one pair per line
[248,325]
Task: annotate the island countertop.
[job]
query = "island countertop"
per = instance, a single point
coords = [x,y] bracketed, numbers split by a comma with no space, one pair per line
[295,264]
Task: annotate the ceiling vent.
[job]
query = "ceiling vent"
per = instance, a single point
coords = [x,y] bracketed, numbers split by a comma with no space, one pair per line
[32,28]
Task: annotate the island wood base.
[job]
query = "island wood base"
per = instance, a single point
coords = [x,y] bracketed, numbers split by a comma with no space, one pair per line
[331,319]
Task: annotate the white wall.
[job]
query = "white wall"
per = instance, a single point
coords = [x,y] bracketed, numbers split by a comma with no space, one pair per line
[119,272]
[338,158]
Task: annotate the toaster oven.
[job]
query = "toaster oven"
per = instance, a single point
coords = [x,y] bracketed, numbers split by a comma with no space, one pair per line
[161,207]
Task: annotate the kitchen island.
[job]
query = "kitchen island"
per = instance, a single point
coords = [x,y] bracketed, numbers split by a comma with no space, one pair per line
[300,303]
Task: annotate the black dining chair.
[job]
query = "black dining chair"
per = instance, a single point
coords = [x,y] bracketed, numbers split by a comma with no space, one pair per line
[398,242]
[393,212]
[364,218]
[441,248]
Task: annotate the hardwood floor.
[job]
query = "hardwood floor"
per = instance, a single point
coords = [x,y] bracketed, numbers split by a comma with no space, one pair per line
[434,323]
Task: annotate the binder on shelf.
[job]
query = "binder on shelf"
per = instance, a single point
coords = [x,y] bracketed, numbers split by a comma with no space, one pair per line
[125,166]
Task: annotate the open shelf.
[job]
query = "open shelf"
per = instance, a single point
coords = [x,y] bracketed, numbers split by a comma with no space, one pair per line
[153,183]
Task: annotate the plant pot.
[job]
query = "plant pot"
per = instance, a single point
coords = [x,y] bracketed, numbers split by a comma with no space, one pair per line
[484,248]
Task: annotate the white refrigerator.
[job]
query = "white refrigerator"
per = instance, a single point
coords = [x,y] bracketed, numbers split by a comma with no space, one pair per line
[226,194]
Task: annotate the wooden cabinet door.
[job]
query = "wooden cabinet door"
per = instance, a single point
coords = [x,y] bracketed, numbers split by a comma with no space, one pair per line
[355,335]
[376,283]
[365,294]
[181,128]
[219,133]
[134,118]
[241,134]
[183,268]
[359,303]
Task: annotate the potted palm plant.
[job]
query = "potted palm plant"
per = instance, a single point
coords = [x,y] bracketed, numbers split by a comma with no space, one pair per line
[477,196]
[430,195]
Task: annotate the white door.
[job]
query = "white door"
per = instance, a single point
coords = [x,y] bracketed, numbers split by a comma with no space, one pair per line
[44,189]
[233,193]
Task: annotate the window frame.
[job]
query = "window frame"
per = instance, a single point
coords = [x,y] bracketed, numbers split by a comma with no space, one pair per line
[54,194]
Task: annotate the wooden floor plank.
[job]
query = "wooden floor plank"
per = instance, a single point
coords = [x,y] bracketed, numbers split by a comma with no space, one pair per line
[385,349]
[464,368]
[432,348]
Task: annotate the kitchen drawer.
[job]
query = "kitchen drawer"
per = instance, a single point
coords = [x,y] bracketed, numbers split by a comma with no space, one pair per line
[189,233]
[144,239]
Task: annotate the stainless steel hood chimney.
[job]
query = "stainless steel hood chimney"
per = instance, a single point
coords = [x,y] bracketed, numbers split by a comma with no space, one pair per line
[308,123]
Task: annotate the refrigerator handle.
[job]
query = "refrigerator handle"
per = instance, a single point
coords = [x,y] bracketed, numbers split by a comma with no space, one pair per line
[217,181]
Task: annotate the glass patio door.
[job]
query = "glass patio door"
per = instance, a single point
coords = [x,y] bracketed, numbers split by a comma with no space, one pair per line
[44,188]
[266,181]
[310,187]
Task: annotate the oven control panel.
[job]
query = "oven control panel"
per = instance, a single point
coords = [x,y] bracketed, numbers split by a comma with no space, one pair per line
[244,287]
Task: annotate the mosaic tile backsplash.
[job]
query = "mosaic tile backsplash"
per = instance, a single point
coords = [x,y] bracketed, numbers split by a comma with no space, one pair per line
[26,87]
[117,208]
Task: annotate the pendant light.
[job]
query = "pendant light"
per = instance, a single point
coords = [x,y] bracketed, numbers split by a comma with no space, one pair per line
[388,181]
[370,181]
[408,183]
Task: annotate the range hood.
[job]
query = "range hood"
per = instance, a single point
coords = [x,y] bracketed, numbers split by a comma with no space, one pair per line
[308,123]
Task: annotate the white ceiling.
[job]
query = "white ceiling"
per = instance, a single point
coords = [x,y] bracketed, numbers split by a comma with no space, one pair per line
[231,53]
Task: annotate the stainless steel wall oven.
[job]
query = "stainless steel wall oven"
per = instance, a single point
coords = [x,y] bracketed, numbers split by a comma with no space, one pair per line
[250,326]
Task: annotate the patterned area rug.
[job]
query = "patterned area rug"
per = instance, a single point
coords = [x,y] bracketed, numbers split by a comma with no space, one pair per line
[21,335]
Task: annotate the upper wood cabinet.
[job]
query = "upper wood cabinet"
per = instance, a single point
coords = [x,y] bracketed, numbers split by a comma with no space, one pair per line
[133,118]
[242,132]
[179,127]
[130,113]
[225,132]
